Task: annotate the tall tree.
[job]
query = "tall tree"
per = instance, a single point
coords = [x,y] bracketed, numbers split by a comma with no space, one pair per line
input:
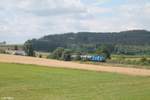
[16,47]
[104,50]
[28,47]
[57,54]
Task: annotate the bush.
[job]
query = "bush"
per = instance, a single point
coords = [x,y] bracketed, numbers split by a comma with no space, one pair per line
[2,51]
[105,51]
[143,59]
[61,54]
[78,58]
[57,54]
[66,55]
[40,56]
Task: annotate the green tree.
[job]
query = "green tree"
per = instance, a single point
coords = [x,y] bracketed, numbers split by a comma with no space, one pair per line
[104,50]
[57,54]
[143,59]
[78,56]
[66,55]
[28,47]
[16,47]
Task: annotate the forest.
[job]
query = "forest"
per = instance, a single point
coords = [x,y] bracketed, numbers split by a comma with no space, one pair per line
[130,42]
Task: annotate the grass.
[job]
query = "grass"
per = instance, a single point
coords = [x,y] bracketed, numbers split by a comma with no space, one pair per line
[130,57]
[30,82]
[135,61]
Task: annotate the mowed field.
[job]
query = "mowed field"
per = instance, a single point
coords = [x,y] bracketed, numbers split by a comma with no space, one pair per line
[31,82]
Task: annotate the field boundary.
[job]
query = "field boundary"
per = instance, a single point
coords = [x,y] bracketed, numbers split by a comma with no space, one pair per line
[72,65]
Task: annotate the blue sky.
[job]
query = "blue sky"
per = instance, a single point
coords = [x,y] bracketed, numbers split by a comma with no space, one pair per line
[26,19]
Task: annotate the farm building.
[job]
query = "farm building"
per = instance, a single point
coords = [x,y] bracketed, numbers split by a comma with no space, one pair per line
[16,52]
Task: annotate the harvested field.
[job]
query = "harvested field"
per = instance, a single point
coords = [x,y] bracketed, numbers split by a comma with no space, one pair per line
[72,65]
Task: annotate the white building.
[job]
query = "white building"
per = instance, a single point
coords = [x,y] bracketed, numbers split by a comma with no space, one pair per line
[16,52]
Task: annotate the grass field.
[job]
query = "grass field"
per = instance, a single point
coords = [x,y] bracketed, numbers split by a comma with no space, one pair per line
[30,82]
[135,61]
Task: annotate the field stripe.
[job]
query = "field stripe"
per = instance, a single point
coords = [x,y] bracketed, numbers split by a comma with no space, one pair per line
[72,65]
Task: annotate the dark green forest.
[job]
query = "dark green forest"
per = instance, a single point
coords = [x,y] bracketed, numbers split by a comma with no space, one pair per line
[126,42]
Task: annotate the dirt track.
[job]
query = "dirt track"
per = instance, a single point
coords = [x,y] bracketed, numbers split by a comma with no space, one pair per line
[72,65]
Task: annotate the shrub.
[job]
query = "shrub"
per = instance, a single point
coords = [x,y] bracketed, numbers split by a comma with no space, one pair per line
[2,51]
[40,56]
[66,55]
[57,54]
[143,59]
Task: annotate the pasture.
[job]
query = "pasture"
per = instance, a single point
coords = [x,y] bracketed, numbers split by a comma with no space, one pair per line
[31,82]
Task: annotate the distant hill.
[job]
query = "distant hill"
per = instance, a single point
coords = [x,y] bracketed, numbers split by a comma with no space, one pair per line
[2,43]
[91,39]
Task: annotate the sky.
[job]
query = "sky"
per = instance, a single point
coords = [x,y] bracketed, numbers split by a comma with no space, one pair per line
[21,20]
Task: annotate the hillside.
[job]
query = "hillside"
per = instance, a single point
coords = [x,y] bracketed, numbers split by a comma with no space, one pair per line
[91,40]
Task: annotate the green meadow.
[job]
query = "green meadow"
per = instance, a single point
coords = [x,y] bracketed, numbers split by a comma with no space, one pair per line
[31,82]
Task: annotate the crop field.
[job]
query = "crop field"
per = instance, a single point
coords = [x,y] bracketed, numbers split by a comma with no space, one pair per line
[135,61]
[31,82]
[130,57]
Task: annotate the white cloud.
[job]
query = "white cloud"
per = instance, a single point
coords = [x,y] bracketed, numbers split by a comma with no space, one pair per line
[25,19]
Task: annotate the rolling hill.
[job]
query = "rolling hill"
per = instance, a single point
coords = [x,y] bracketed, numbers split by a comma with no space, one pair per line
[91,40]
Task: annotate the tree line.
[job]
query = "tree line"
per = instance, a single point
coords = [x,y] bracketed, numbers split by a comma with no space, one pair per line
[126,42]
